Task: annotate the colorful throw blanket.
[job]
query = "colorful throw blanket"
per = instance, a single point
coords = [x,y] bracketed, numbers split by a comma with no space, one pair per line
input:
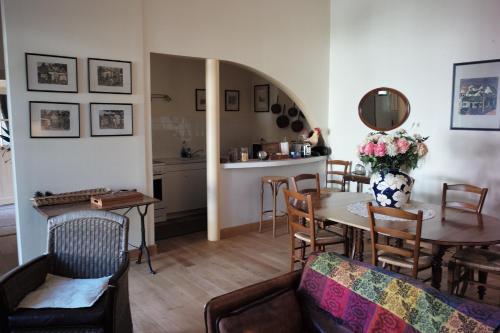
[364,298]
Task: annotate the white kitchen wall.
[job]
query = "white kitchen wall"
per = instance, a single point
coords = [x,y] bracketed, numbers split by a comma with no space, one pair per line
[177,120]
[93,28]
[411,46]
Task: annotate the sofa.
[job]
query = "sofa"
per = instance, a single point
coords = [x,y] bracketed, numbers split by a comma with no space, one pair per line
[335,294]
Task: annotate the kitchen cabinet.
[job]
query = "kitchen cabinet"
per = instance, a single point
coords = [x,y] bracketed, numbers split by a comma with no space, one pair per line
[186,187]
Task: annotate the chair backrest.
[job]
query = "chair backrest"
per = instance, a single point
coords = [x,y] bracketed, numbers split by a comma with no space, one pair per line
[476,207]
[307,177]
[336,171]
[376,229]
[88,243]
[301,214]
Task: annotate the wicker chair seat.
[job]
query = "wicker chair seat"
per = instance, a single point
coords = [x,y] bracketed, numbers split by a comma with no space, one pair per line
[478,259]
[424,261]
[323,237]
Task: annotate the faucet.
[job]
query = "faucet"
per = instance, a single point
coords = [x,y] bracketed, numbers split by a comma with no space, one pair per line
[193,154]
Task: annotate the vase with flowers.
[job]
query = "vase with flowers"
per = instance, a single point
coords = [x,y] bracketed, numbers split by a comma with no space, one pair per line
[390,156]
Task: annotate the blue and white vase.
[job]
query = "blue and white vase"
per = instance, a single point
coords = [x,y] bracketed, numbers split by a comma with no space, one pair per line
[391,187]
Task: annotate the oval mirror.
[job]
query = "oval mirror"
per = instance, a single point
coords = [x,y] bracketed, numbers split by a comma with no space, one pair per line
[384,109]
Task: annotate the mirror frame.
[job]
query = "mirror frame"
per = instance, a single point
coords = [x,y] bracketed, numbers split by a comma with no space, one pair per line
[397,92]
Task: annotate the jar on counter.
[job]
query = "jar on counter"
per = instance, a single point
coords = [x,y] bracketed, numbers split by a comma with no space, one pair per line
[244,154]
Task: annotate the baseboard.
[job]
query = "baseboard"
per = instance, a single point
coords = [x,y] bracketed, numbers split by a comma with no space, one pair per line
[134,253]
[249,227]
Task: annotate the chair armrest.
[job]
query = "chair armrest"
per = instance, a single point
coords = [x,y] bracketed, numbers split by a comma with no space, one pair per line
[119,318]
[221,305]
[114,281]
[17,283]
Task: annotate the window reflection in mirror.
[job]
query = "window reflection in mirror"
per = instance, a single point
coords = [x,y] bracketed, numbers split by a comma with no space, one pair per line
[384,109]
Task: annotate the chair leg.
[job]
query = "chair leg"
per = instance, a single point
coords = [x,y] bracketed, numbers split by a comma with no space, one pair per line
[465,283]
[482,277]
[292,254]
[451,277]
[261,206]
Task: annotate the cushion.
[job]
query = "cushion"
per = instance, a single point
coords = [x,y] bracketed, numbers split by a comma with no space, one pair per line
[63,292]
[365,298]
[278,312]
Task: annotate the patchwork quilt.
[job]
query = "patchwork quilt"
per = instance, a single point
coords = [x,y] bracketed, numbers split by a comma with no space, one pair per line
[364,298]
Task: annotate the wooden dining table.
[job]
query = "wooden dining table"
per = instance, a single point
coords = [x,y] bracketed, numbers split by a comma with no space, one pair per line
[457,228]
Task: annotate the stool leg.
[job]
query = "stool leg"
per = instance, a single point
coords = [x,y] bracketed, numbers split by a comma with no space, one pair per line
[274,209]
[261,206]
[287,217]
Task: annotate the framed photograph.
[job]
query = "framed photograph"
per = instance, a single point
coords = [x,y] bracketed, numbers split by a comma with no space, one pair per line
[54,120]
[111,119]
[51,73]
[261,98]
[474,101]
[110,76]
[200,100]
[232,100]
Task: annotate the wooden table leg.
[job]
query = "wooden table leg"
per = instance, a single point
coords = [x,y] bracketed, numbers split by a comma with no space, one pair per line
[359,241]
[437,261]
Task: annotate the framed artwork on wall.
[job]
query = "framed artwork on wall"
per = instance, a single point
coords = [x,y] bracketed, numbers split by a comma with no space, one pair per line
[232,100]
[474,104]
[51,73]
[200,100]
[261,98]
[109,76]
[111,119]
[54,120]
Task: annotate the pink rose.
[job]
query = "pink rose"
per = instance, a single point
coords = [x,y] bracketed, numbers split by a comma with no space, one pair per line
[422,149]
[361,149]
[403,146]
[380,149]
[369,149]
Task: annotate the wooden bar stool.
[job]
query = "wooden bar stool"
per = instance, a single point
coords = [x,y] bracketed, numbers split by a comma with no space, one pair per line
[275,182]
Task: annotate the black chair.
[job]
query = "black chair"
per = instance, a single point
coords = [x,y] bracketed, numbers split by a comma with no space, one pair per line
[84,244]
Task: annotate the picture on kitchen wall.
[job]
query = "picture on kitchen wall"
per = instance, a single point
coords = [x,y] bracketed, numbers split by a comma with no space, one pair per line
[475,96]
[261,98]
[110,76]
[51,73]
[54,120]
[232,100]
[107,119]
[200,100]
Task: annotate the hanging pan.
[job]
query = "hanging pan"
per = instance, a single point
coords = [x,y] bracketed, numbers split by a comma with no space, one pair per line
[276,107]
[293,111]
[297,124]
[282,121]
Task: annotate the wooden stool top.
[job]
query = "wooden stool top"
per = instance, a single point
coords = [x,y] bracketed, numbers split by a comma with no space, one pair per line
[274,179]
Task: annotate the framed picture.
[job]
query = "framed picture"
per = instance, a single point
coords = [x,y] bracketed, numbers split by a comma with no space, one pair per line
[111,119]
[54,120]
[232,100]
[474,104]
[200,100]
[110,76]
[261,98]
[51,73]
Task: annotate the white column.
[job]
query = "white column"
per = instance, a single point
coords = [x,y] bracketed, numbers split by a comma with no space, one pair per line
[213,148]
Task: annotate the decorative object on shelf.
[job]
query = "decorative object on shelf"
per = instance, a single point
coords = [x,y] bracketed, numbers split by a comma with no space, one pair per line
[115,198]
[49,199]
[387,154]
[359,169]
[384,109]
[244,154]
[232,100]
[54,120]
[200,99]
[111,119]
[51,73]
[262,155]
[314,137]
[475,96]
[110,76]
[261,98]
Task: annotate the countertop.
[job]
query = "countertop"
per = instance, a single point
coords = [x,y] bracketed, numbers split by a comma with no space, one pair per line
[178,160]
[273,163]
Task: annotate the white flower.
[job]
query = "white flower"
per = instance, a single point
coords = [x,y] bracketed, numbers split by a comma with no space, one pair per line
[383,199]
[376,177]
[400,197]
[382,186]
[394,182]
[391,148]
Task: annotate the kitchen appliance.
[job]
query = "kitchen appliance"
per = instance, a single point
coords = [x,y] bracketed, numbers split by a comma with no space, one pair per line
[301,149]
[159,191]
[306,149]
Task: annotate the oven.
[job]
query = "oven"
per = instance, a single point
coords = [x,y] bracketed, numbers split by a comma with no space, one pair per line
[159,191]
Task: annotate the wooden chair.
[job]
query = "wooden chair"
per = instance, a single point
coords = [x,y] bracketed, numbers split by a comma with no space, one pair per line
[334,175]
[304,229]
[400,257]
[475,207]
[307,177]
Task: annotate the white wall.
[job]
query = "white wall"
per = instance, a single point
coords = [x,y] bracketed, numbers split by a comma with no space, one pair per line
[93,28]
[411,46]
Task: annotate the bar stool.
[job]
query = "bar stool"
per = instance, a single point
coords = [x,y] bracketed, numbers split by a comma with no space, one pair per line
[275,182]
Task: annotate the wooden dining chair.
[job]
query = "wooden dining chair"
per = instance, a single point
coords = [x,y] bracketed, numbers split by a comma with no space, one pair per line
[303,228]
[395,256]
[336,170]
[307,177]
[475,207]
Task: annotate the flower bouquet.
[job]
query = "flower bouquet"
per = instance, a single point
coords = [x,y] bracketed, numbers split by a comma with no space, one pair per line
[389,155]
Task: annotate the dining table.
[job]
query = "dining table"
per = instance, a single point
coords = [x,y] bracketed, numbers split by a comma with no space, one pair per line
[447,227]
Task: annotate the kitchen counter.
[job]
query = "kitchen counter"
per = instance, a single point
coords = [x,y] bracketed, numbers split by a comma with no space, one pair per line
[179,160]
[272,163]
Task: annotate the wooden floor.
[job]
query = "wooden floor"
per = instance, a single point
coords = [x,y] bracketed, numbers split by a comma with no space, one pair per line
[8,242]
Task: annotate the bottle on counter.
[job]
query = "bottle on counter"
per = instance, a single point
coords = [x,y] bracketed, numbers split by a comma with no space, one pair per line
[244,154]
[284,146]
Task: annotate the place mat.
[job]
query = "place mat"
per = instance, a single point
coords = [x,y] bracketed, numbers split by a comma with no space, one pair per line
[359,208]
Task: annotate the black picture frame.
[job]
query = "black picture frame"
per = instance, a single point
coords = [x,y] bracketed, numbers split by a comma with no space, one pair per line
[475,75]
[32,86]
[261,106]
[31,103]
[93,87]
[227,106]
[200,100]
[93,131]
